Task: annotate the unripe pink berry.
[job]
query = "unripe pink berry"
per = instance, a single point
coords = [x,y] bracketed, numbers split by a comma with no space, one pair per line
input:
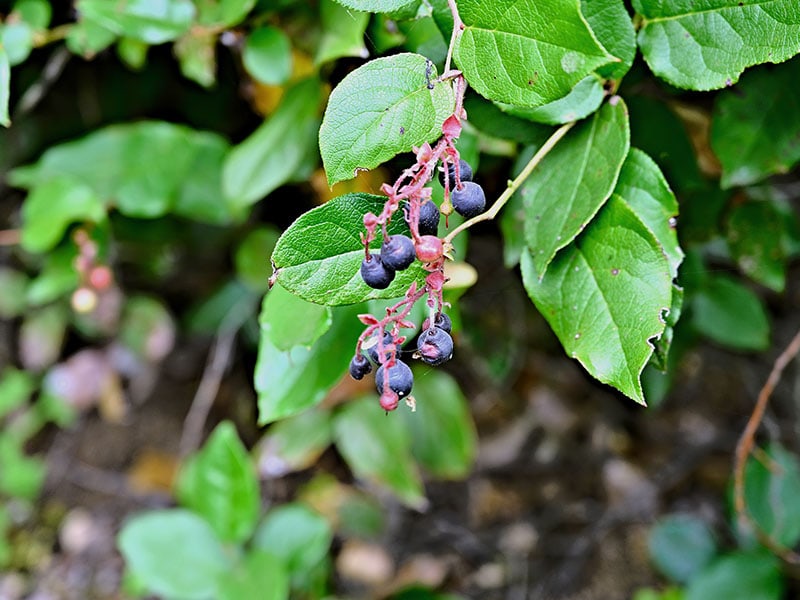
[389,400]
[100,278]
[429,248]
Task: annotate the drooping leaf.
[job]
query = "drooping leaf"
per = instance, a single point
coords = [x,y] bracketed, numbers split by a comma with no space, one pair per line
[379,6]
[501,122]
[267,55]
[288,382]
[294,443]
[611,23]
[772,486]
[17,40]
[748,575]
[423,36]
[647,192]
[222,13]
[259,575]
[378,449]
[605,296]
[151,22]
[381,109]
[196,53]
[297,535]
[756,233]
[755,129]
[87,37]
[526,52]
[290,321]
[319,256]
[342,32]
[730,314]
[443,437]
[579,103]
[5,76]
[573,181]
[706,44]
[681,545]
[52,207]
[271,155]
[132,52]
[219,483]
[175,553]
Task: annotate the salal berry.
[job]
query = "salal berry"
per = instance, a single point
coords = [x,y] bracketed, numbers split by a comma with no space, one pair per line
[469,200]
[375,274]
[359,366]
[429,218]
[398,252]
[429,248]
[435,346]
[464,171]
[440,320]
[400,379]
[372,351]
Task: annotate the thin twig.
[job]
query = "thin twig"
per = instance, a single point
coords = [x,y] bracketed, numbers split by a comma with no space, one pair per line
[513,185]
[10,237]
[50,73]
[745,447]
[458,25]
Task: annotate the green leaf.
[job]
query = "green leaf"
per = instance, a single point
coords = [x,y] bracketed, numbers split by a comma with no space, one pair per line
[52,207]
[294,443]
[500,121]
[756,233]
[222,13]
[56,278]
[17,40]
[422,36]
[342,32]
[252,257]
[443,437]
[297,535]
[132,52]
[573,181]
[174,553]
[772,486]
[605,296]
[645,189]
[16,388]
[511,51]
[20,476]
[267,55]
[289,382]
[220,485]
[260,576]
[376,5]
[273,152]
[753,575]
[196,54]
[151,22]
[377,447]
[290,321]
[5,76]
[755,129]
[379,110]
[233,296]
[13,292]
[706,44]
[730,314]
[319,256]
[87,37]
[36,13]
[580,102]
[681,546]
[611,23]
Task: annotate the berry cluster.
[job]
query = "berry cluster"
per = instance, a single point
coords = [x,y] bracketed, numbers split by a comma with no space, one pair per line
[379,345]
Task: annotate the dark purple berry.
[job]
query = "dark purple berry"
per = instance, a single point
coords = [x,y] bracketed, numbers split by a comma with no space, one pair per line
[372,351]
[428,218]
[398,252]
[375,274]
[400,379]
[441,320]
[464,171]
[359,366]
[469,201]
[435,346]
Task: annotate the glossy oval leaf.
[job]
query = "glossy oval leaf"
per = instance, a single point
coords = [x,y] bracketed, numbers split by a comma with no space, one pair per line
[290,381]
[729,313]
[755,129]
[319,256]
[377,447]
[526,52]
[647,192]
[573,181]
[606,296]
[751,575]
[219,483]
[580,102]
[611,23]
[151,22]
[267,55]
[381,109]
[291,321]
[706,44]
[175,553]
